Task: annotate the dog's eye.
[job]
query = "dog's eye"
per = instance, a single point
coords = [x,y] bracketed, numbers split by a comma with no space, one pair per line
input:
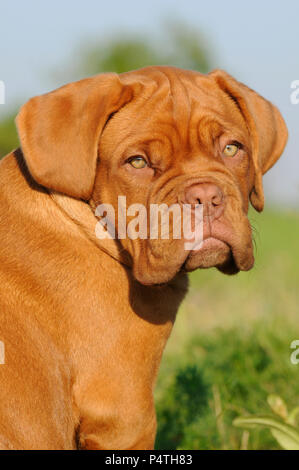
[138,162]
[230,150]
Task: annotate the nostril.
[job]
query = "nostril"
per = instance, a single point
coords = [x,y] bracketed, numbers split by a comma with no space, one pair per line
[217,197]
[205,194]
[217,200]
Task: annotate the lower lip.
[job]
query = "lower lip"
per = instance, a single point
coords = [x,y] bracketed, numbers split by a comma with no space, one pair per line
[210,244]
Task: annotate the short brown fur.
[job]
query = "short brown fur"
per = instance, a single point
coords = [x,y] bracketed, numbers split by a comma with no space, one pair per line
[85,321]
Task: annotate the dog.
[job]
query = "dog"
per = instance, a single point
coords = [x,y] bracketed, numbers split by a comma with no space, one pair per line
[83,319]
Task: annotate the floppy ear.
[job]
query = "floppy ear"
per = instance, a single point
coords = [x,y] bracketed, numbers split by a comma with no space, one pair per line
[59,132]
[266,126]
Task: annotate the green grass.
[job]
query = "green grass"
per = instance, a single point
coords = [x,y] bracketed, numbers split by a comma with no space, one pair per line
[230,347]
[8,135]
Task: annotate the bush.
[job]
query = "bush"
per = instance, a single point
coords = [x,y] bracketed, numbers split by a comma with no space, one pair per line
[219,377]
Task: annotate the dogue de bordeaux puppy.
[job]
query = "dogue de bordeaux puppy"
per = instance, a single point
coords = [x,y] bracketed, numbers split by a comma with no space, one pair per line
[84,320]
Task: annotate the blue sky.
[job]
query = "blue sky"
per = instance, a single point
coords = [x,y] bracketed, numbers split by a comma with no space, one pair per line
[256,41]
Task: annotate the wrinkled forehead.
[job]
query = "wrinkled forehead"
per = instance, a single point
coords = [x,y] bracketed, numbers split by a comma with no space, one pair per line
[181,107]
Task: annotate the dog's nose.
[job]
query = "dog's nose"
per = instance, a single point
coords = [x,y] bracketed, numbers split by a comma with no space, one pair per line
[207,194]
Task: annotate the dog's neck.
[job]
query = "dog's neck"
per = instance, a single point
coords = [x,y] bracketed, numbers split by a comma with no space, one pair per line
[81,213]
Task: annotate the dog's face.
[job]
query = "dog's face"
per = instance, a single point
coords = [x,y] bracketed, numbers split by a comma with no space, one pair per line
[160,136]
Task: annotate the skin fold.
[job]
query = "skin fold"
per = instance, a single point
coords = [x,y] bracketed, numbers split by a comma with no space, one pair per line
[84,321]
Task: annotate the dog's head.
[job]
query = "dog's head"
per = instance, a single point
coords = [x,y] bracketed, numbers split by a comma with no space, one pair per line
[160,135]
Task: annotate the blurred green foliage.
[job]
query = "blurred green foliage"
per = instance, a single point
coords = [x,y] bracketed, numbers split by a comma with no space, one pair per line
[282,423]
[219,377]
[182,47]
[8,135]
[230,348]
